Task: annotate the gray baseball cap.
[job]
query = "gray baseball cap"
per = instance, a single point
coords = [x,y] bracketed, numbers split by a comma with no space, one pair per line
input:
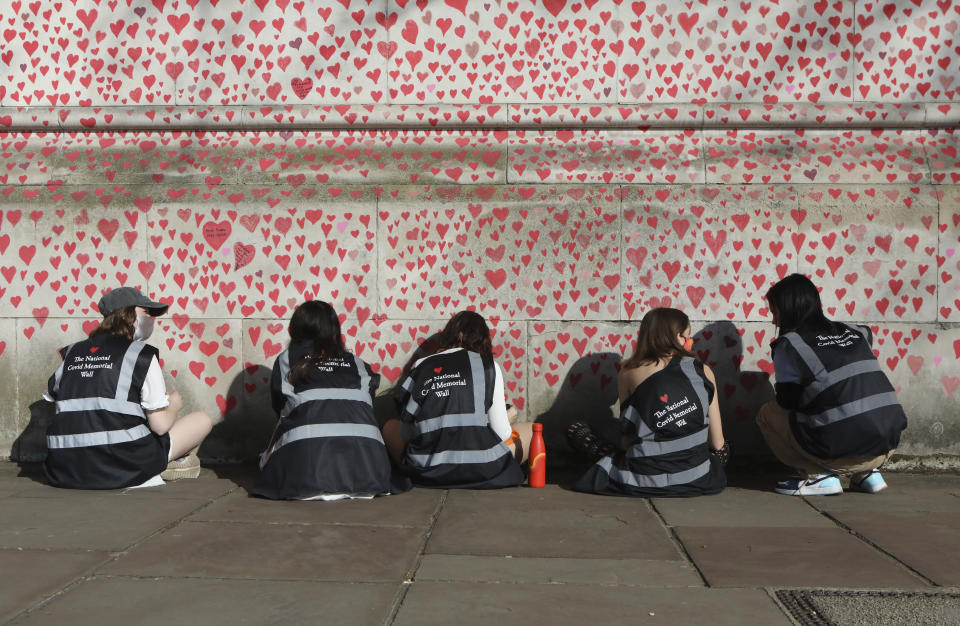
[121,298]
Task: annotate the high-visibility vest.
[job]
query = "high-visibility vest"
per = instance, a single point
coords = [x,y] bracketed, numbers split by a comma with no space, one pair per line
[327,440]
[445,400]
[667,419]
[848,408]
[100,438]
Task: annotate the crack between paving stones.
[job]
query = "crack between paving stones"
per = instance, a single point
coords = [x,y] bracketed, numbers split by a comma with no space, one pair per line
[873,545]
[677,543]
[90,573]
[401,594]
[276,523]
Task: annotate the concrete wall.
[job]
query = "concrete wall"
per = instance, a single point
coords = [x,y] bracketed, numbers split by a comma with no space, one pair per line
[560,166]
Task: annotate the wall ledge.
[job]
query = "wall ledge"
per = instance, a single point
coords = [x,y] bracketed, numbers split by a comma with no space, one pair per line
[486,117]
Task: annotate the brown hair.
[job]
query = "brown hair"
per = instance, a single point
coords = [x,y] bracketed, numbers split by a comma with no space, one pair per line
[467,329]
[657,337]
[317,322]
[122,322]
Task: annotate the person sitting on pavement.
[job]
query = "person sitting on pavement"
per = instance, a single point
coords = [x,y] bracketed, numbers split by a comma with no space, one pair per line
[836,413]
[454,429]
[115,425]
[327,445]
[672,440]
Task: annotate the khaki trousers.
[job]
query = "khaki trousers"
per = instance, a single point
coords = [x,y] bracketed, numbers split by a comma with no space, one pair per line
[774,423]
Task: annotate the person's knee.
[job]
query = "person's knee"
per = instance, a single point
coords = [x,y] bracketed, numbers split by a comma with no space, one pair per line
[205,423]
[765,413]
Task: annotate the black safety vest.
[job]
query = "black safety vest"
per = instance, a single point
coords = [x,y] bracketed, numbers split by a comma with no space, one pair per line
[327,440]
[667,418]
[100,438]
[848,408]
[446,399]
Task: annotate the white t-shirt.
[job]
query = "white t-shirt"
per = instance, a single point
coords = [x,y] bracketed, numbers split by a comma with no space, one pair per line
[497,414]
[153,394]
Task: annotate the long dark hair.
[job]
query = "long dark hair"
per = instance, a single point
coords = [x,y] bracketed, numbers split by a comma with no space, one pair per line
[657,337]
[797,303]
[122,322]
[316,322]
[466,329]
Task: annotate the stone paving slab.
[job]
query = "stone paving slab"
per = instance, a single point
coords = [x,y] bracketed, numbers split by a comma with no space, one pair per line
[740,508]
[549,522]
[89,521]
[927,542]
[28,576]
[491,569]
[790,557]
[275,551]
[413,509]
[905,493]
[574,605]
[149,602]
[209,487]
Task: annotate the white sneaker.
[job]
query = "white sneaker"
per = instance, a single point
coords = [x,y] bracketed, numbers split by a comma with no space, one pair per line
[873,482]
[820,485]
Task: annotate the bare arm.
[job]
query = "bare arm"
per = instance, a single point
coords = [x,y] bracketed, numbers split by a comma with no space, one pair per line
[716,427]
[161,420]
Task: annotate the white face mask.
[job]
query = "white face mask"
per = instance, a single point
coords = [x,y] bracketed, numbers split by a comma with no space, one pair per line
[143,328]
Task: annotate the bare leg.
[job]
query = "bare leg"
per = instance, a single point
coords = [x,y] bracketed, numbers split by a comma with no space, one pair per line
[393,439]
[188,432]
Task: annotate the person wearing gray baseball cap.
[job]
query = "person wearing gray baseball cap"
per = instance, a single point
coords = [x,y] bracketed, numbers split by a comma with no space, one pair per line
[116,425]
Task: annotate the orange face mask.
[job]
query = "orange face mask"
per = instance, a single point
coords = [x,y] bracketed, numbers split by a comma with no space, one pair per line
[688,344]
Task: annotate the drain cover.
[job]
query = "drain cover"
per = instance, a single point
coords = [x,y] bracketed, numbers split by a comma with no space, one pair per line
[819,607]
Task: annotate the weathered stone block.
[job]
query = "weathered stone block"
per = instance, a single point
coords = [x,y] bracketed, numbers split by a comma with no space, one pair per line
[543,253]
[355,157]
[852,156]
[709,251]
[871,250]
[605,156]
[238,251]
[581,67]
[948,257]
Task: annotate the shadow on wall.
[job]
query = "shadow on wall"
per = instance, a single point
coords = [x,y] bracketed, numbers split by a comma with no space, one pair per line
[741,392]
[588,394]
[31,444]
[248,421]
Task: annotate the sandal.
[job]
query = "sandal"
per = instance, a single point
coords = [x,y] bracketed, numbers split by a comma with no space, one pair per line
[584,440]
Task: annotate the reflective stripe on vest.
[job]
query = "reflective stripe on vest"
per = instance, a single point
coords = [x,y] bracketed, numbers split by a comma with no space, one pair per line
[648,446]
[459,456]
[627,477]
[317,431]
[686,366]
[454,420]
[848,410]
[58,375]
[119,403]
[825,380]
[294,399]
[850,370]
[102,438]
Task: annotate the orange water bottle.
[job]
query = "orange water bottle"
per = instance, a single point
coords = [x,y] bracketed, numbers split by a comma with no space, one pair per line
[538,458]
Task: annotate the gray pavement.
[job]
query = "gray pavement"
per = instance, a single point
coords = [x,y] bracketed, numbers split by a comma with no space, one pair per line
[202,551]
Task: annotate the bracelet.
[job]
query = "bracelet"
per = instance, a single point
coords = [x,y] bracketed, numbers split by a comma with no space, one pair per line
[723,454]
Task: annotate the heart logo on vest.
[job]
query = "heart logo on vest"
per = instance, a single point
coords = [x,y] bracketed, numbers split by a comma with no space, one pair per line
[663,398]
[437,370]
[94,348]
